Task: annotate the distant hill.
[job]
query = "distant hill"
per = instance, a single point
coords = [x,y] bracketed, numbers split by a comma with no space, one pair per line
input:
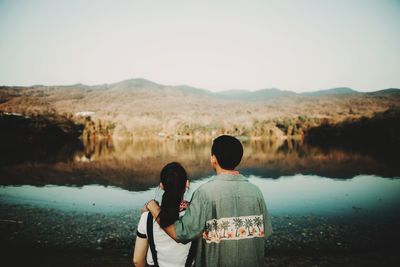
[133,84]
[332,91]
[141,108]
[273,93]
[259,95]
[386,92]
[185,89]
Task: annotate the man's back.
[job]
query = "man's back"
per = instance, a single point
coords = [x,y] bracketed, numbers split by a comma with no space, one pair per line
[231,216]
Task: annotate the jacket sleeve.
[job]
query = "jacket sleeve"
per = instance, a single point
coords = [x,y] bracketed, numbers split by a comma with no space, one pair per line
[191,224]
[267,218]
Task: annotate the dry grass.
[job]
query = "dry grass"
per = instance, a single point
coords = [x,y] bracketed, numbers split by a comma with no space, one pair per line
[127,110]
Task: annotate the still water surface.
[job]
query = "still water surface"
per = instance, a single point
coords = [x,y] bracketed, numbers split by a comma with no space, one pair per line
[294,178]
[299,194]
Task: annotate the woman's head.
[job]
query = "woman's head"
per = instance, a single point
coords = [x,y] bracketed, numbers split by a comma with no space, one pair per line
[173,180]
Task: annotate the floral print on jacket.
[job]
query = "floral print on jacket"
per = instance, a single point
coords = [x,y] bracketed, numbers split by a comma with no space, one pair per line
[234,228]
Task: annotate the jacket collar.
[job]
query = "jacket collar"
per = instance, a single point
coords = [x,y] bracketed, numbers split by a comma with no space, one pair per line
[229,177]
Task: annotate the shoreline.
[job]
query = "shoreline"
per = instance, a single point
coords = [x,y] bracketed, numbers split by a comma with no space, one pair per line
[110,258]
[51,237]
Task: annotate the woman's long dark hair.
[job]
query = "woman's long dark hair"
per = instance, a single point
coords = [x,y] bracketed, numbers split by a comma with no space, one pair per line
[173,177]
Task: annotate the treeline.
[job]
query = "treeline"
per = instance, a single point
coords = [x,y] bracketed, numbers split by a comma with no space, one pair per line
[381,132]
[253,129]
[138,109]
[297,127]
[279,128]
[45,127]
[53,127]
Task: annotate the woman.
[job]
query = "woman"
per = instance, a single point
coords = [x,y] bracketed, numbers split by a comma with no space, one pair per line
[151,240]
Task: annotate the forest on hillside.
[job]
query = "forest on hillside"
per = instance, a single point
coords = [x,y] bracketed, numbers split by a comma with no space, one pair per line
[137,109]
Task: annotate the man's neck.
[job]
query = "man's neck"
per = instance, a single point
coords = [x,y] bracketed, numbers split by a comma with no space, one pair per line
[223,171]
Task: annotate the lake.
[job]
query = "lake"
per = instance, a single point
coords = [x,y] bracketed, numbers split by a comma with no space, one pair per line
[115,176]
[319,198]
[297,194]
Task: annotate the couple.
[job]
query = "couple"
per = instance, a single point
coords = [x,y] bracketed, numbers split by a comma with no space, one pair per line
[225,224]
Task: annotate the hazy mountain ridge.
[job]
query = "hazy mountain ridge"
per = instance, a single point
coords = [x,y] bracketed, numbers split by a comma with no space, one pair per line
[140,84]
[333,91]
[258,95]
[142,108]
[241,94]
[388,91]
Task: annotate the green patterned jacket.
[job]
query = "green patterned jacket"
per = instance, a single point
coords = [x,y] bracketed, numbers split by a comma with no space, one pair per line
[229,217]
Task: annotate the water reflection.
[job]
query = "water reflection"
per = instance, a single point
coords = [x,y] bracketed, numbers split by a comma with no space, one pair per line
[292,157]
[136,165]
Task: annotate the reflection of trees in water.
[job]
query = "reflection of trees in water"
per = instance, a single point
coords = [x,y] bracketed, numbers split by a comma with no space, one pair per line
[291,145]
[141,161]
[37,138]
[14,154]
[292,157]
[94,150]
[135,150]
[136,165]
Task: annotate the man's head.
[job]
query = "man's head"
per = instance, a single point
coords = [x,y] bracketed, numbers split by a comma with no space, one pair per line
[226,152]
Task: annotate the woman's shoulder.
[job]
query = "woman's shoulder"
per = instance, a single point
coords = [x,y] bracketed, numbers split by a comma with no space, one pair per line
[142,225]
[144,215]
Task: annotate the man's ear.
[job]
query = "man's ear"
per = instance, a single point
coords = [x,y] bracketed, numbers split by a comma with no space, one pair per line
[161,186]
[213,160]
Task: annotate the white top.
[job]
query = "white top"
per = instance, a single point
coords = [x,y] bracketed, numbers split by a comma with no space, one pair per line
[169,252]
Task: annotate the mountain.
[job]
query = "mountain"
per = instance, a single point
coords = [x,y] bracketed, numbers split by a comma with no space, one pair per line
[274,93]
[386,92]
[187,90]
[332,91]
[142,108]
[259,95]
[132,84]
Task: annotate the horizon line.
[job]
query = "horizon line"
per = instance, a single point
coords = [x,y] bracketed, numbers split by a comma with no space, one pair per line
[210,90]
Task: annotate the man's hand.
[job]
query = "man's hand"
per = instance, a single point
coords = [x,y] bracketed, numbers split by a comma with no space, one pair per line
[144,209]
[153,208]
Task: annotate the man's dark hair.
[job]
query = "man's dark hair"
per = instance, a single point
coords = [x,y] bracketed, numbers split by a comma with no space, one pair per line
[228,150]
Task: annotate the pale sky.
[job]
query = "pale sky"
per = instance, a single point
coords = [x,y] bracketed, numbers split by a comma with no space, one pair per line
[213,44]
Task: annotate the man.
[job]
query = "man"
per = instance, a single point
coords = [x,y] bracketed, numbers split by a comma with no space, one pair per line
[227,214]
